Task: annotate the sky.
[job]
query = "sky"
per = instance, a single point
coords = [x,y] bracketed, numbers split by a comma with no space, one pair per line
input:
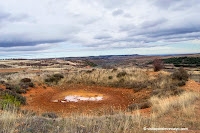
[71,28]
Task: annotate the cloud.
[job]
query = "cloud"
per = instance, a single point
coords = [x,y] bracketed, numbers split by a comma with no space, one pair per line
[102,36]
[39,47]
[16,42]
[102,24]
[117,12]
[4,16]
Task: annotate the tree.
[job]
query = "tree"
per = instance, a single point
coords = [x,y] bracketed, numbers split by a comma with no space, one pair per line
[158,65]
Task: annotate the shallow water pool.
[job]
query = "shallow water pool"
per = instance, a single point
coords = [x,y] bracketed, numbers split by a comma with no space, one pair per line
[76,98]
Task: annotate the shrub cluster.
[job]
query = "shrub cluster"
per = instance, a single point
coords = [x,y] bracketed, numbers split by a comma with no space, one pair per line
[9,101]
[181,76]
[54,78]
[89,63]
[25,83]
[17,96]
[15,88]
[121,74]
[184,61]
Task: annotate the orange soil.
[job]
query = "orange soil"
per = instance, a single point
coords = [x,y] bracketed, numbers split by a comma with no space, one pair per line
[40,99]
[191,85]
[34,71]
[3,87]
[12,70]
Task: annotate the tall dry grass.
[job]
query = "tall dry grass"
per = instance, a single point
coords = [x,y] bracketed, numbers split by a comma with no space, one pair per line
[182,102]
[11,121]
[134,78]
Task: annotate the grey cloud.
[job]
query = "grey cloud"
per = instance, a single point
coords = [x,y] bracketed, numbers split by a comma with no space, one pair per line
[165,3]
[117,12]
[90,24]
[39,47]
[17,18]
[148,24]
[4,16]
[103,36]
[15,43]
[114,3]
[127,15]
[128,27]
[176,4]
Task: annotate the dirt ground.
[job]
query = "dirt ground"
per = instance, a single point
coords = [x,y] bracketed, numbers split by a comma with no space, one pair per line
[12,70]
[191,85]
[40,99]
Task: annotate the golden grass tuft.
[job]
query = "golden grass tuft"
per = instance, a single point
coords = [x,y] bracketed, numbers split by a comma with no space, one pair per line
[182,102]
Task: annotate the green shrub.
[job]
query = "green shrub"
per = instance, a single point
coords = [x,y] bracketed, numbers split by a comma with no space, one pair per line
[18,97]
[21,98]
[9,101]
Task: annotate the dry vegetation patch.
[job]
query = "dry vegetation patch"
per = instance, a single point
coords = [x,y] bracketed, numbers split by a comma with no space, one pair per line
[120,88]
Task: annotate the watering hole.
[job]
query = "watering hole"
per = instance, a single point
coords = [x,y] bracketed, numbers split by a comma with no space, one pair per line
[81,99]
[77,97]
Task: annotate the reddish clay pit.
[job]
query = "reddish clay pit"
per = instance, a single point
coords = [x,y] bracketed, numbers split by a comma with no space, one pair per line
[43,100]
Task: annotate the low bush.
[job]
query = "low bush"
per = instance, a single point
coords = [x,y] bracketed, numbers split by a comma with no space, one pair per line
[167,92]
[89,63]
[121,74]
[180,74]
[50,115]
[89,71]
[25,80]
[18,97]
[9,101]
[15,88]
[110,77]
[54,78]
[181,83]
[114,69]
[139,106]
[58,76]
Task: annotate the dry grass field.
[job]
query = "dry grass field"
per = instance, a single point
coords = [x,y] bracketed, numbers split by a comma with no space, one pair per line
[33,98]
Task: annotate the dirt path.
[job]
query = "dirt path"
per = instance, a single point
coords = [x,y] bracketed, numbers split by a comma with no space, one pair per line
[12,70]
